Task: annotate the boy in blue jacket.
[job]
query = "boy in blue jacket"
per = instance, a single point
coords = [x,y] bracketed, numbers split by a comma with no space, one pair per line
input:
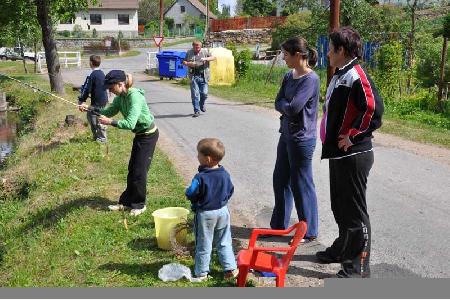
[94,86]
[209,192]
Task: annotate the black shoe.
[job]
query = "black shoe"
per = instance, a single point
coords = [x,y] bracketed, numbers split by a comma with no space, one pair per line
[325,258]
[202,108]
[196,114]
[343,274]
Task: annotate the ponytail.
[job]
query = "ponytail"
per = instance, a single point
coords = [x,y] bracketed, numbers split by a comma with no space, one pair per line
[312,57]
[129,81]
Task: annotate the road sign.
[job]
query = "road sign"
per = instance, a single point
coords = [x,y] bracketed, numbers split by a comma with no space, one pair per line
[158,40]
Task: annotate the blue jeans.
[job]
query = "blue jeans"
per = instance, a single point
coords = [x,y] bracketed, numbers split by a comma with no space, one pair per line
[293,182]
[199,92]
[213,227]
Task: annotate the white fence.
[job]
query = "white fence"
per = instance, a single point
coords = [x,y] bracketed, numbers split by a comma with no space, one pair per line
[66,58]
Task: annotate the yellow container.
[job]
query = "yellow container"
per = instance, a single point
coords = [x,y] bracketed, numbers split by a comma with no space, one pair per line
[166,219]
[222,69]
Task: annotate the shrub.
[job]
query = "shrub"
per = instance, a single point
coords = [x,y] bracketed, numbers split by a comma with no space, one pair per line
[65,33]
[389,61]
[77,31]
[94,33]
[295,25]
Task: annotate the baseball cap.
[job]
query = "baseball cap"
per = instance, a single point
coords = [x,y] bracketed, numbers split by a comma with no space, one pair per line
[113,77]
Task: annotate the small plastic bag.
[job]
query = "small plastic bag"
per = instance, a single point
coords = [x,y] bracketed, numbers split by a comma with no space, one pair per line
[174,272]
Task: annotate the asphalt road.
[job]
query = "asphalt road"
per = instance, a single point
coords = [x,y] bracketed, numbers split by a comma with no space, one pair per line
[408,194]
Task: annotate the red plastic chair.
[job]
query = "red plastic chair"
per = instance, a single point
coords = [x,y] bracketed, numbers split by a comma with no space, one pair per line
[258,259]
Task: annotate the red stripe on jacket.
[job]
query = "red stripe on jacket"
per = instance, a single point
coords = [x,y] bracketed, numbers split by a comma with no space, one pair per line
[370,103]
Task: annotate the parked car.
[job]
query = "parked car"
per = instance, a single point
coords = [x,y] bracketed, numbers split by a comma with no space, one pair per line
[14,54]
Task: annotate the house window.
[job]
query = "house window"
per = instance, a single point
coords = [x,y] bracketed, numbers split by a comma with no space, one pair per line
[183,9]
[123,19]
[96,19]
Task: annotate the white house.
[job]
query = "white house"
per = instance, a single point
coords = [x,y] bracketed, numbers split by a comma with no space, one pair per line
[182,8]
[108,17]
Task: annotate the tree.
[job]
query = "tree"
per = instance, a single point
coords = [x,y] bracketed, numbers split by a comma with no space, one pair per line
[445,32]
[412,8]
[226,12]
[238,9]
[295,25]
[259,7]
[213,5]
[149,9]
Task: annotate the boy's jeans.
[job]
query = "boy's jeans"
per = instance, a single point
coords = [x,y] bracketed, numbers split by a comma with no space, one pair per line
[199,92]
[213,227]
[98,130]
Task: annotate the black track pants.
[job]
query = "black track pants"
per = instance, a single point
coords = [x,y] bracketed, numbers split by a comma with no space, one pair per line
[140,160]
[348,183]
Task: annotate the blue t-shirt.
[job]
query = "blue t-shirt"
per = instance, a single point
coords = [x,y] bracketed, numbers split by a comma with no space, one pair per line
[298,102]
[210,189]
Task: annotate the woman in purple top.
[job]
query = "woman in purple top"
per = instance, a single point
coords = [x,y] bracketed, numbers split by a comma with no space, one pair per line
[297,101]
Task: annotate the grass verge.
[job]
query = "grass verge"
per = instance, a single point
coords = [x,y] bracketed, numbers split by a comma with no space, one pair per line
[55,230]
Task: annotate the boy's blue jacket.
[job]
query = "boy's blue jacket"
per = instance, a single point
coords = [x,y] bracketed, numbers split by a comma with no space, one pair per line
[210,189]
[94,86]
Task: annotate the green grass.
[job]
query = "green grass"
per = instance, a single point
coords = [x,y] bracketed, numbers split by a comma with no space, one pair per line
[125,54]
[55,230]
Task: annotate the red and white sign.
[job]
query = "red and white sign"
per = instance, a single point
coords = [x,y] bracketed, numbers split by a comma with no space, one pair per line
[158,40]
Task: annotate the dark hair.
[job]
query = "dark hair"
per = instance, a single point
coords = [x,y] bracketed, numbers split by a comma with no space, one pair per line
[211,147]
[299,44]
[349,39]
[95,60]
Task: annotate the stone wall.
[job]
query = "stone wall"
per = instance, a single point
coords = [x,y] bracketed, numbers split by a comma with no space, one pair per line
[246,36]
[74,43]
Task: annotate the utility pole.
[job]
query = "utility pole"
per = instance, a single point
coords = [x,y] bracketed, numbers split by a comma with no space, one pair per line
[161,20]
[207,22]
[334,24]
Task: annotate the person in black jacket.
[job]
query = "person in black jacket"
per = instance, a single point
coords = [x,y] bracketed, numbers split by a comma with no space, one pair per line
[209,193]
[93,86]
[352,111]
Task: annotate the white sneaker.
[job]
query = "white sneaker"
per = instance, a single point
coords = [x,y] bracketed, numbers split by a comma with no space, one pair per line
[136,212]
[116,207]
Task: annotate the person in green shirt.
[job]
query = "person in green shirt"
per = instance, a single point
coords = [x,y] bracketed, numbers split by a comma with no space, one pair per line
[131,103]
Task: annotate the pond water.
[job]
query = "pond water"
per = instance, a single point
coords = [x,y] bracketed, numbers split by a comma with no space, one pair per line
[8,134]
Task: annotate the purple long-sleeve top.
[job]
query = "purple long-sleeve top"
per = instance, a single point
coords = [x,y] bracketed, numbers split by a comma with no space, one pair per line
[298,102]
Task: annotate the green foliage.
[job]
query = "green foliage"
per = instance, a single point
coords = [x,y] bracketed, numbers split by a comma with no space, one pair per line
[446,26]
[428,55]
[359,14]
[65,33]
[259,7]
[242,60]
[389,66]
[120,35]
[94,33]
[77,31]
[296,25]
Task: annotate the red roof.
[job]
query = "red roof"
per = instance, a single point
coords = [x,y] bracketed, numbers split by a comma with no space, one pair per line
[114,4]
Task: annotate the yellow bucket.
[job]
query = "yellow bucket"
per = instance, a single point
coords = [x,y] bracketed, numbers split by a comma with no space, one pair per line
[166,220]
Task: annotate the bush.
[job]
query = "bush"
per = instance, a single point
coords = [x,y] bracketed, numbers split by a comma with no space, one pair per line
[295,25]
[77,31]
[428,56]
[65,33]
[389,61]
[94,33]
[242,60]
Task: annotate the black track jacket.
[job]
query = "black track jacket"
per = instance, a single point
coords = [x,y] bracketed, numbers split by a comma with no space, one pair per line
[353,107]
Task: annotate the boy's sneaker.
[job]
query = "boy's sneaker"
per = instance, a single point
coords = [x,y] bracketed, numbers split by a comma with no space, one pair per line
[196,114]
[231,274]
[200,278]
[202,108]
[116,207]
[137,211]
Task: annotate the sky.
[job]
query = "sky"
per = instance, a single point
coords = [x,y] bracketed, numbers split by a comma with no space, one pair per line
[228,2]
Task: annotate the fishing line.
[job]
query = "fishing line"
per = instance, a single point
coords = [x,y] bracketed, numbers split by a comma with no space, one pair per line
[47,93]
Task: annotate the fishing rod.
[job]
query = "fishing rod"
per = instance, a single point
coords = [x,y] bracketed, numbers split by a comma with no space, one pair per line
[47,93]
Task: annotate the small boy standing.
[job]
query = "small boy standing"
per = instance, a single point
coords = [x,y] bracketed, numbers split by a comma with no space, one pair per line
[209,192]
[93,86]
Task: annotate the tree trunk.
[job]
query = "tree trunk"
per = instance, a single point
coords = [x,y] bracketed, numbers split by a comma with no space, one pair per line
[51,54]
[441,75]
[35,56]
[411,46]
[23,57]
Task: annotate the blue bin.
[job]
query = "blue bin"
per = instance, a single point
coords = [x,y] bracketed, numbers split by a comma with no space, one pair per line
[170,64]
